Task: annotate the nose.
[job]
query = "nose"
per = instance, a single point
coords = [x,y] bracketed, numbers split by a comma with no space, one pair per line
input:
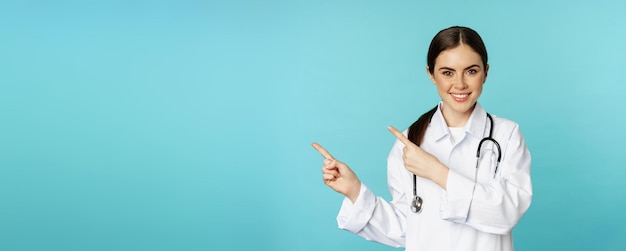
[461,82]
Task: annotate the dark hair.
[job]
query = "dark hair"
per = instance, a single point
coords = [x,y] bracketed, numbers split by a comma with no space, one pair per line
[445,39]
[453,37]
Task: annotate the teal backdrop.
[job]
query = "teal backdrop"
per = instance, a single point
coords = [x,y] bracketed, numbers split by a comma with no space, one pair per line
[186,125]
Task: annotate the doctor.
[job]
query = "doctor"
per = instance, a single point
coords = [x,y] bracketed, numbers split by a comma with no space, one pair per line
[444,197]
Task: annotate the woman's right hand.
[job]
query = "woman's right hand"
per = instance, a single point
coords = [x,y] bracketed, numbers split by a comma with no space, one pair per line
[338,176]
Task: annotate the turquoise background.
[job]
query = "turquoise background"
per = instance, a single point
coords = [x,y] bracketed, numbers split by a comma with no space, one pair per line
[186,125]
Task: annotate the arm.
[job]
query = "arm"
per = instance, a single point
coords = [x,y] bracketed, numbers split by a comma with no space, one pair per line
[372,217]
[497,206]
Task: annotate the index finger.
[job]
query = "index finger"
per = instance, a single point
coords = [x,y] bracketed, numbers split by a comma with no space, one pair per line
[322,151]
[400,136]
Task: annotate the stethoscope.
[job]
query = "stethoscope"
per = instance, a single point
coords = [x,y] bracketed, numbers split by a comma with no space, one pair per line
[416,205]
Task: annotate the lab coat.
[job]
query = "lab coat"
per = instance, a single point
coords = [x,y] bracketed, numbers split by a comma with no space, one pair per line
[467,215]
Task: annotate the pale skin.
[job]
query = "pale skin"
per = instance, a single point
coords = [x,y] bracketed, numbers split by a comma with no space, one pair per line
[338,176]
[459,76]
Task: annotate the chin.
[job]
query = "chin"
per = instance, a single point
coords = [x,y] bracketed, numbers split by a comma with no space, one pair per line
[464,107]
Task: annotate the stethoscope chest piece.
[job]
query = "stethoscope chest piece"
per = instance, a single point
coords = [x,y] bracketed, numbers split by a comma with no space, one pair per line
[416,205]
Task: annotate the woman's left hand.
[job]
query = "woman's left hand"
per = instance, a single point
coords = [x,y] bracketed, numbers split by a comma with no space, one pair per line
[421,163]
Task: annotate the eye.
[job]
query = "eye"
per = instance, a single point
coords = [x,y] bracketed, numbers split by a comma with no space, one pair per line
[447,73]
[472,71]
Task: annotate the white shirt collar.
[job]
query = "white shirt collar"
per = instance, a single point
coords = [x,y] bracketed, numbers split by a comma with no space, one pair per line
[475,125]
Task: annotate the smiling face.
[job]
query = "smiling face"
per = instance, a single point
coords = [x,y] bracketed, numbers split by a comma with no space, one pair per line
[459,75]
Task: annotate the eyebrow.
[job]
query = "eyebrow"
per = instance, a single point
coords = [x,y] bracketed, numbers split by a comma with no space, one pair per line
[466,68]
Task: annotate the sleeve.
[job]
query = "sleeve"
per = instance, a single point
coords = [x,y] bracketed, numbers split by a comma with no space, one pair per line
[497,206]
[372,217]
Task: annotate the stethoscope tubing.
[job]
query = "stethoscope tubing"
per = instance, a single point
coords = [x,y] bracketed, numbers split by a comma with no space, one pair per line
[416,204]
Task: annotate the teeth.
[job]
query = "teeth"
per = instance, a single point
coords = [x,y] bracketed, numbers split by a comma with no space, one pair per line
[459,95]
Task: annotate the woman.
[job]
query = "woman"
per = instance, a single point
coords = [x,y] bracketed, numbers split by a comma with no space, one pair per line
[443,196]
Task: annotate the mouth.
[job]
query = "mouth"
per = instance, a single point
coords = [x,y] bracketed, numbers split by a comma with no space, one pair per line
[460,97]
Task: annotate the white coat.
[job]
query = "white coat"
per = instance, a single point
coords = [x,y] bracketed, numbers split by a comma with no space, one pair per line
[467,215]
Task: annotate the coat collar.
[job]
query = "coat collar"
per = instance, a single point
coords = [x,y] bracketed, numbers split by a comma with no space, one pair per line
[475,125]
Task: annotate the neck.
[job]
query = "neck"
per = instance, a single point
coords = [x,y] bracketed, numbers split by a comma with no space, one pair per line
[456,119]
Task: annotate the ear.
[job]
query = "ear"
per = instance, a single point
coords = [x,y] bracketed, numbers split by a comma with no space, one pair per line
[486,73]
[431,76]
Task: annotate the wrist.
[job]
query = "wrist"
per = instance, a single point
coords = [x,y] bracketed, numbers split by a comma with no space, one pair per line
[353,194]
[440,176]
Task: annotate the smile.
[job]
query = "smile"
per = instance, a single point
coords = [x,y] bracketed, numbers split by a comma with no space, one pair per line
[460,97]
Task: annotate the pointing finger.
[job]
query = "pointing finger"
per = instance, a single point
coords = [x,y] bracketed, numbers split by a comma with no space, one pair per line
[400,136]
[322,151]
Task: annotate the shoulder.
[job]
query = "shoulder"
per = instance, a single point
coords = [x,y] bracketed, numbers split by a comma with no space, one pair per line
[506,129]
[503,122]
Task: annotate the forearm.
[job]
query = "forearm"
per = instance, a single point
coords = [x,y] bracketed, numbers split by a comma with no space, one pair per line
[493,207]
[439,175]
[373,218]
